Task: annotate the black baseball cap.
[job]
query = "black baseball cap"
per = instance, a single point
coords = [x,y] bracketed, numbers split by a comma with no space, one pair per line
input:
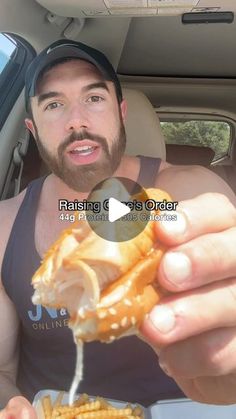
[68,49]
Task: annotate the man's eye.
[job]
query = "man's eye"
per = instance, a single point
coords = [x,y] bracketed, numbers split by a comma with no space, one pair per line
[95,99]
[53,105]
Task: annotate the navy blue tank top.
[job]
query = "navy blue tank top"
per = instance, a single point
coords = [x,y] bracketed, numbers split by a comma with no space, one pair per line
[126,369]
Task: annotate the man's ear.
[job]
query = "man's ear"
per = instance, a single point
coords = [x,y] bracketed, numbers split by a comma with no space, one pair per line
[30,125]
[123,109]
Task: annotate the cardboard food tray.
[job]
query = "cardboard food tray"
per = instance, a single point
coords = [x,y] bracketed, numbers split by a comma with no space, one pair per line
[164,409]
[53,394]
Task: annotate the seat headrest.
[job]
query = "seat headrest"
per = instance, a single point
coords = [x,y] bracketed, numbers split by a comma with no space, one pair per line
[187,154]
[142,126]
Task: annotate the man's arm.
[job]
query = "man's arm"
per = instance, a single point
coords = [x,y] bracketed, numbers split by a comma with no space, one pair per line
[8,348]
[9,324]
[187,182]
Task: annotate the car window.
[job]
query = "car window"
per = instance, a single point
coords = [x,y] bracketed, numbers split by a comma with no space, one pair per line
[200,133]
[15,56]
[7,48]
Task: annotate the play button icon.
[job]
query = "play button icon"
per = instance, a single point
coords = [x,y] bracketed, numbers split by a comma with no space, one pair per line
[114,210]
[117,210]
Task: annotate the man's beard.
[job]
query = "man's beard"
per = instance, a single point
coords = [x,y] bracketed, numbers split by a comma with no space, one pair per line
[85,177]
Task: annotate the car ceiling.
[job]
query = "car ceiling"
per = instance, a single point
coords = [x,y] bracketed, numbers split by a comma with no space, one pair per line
[160,44]
[185,50]
[96,8]
[153,45]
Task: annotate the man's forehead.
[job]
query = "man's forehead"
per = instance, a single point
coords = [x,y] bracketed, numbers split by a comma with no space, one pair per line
[74,66]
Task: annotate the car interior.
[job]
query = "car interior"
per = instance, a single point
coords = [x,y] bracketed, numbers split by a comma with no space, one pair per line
[176,63]
[175,60]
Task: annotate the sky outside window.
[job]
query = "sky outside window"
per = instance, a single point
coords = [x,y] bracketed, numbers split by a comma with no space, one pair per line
[7,46]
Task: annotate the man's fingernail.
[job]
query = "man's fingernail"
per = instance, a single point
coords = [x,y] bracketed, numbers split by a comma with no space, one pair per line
[176,226]
[177,267]
[162,318]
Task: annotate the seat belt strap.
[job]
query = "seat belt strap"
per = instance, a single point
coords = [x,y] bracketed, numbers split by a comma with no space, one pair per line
[18,159]
[15,170]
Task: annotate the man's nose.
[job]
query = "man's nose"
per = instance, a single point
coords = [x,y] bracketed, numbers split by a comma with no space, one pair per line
[77,119]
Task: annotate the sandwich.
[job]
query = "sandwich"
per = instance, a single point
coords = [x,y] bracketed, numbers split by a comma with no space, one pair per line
[107,287]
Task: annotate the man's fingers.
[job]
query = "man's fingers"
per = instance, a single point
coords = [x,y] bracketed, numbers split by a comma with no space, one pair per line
[209,354]
[18,408]
[204,366]
[207,213]
[179,317]
[200,261]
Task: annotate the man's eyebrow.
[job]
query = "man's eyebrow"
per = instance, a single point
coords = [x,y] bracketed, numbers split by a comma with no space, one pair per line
[96,85]
[91,86]
[48,95]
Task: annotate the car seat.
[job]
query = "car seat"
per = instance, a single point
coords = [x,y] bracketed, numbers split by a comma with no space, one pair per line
[143,129]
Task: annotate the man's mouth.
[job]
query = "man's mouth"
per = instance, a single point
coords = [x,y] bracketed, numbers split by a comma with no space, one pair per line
[84,150]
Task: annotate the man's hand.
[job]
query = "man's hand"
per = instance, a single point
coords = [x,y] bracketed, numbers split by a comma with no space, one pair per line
[18,408]
[194,329]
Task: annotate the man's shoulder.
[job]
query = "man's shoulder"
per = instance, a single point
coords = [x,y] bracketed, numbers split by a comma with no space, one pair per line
[8,212]
[168,169]
[170,172]
[188,181]
[10,206]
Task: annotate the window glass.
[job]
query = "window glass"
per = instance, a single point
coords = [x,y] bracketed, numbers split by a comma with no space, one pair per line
[214,134]
[15,57]
[7,48]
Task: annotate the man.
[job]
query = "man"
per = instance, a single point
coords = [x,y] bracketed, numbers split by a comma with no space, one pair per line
[76,113]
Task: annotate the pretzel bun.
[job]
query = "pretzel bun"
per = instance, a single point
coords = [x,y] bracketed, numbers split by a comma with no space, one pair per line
[107,287]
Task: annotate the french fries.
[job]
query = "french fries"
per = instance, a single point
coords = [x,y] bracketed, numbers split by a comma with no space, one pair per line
[87,408]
